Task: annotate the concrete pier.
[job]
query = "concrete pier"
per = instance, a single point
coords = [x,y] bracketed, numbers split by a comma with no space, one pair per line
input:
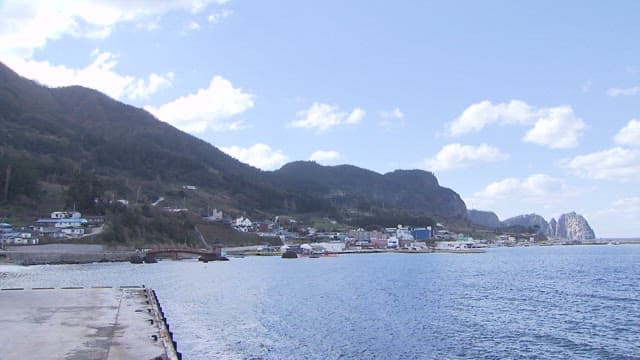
[83,323]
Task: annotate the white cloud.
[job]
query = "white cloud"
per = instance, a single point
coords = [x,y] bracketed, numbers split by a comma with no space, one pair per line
[624,92]
[209,108]
[630,134]
[29,25]
[259,155]
[325,156]
[355,116]
[535,191]
[586,87]
[392,118]
[631,203]
[618,218]
[613,164]
[143,89]
[477,116]
[323,117]
[455,156]
[99,75]
[217,17]
[193,26]
[558,128]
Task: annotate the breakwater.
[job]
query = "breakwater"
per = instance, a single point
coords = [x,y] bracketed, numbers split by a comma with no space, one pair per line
[62,254]
[84,323]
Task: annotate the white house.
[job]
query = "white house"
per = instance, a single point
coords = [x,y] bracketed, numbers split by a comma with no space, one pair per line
[62,224]
[66,215]
[242,224]
[18,238]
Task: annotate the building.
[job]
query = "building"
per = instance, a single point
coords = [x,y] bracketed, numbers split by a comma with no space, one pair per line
[379,240]
[216,215]
[11,236]
[330,246]
[243,224]
[422,234]
[66,215]
[62,224]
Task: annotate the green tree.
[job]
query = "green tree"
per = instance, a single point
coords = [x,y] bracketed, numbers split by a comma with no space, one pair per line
[84,190]
[18,176]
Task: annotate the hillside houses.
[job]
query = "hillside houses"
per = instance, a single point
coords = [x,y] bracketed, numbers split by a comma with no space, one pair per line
[65,225]
[16,236]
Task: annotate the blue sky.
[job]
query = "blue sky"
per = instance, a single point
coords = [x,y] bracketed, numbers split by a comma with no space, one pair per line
[520,107]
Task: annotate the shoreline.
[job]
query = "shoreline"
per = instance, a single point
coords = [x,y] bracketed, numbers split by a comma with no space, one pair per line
[70,254]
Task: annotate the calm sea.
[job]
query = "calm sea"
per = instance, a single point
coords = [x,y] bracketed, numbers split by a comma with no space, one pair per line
[580,302]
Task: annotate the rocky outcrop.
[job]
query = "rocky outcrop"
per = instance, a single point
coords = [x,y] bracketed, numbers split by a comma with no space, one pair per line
[574,227]
[530,221]
[484,218]
[552,227]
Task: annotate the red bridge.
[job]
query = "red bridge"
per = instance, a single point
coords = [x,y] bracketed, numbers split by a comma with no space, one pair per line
[175,251]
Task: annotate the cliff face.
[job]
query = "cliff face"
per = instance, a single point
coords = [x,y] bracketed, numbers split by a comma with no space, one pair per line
[528,221]
[484,218]
[572,226]
[553,225]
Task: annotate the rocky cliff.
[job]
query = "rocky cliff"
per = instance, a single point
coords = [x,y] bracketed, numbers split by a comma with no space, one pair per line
[484,218]
[552,227]
[532,221]
[572,226]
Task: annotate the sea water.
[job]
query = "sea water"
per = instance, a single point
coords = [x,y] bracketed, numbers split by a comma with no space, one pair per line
[508,303]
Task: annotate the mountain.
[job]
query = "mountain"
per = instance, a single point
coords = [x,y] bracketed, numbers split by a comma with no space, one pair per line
[57,137]
[484,218]
[414,191]
[572,226]
[532,221]
[62,131]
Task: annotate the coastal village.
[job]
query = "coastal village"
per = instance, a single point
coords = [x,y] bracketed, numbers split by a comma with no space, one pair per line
[280,235]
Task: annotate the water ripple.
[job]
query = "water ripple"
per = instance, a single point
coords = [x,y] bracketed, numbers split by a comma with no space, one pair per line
[521,303]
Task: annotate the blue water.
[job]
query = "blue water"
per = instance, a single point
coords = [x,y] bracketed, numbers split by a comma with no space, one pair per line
[509,303]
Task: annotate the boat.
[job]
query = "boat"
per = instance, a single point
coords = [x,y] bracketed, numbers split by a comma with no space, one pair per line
[212,257]
[289,255]
[458,247]
[136,259]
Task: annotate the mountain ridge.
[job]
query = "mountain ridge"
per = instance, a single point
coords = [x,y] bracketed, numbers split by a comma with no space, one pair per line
[73,129]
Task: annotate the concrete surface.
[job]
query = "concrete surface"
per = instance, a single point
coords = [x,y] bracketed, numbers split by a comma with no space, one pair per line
[61,254]
[82,323]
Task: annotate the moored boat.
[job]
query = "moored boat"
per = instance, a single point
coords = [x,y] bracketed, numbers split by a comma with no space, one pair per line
[289,255]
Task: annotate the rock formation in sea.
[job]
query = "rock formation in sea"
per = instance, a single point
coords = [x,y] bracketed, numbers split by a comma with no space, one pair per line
[572,226]
[552,227]
[484,218]
[528,221]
